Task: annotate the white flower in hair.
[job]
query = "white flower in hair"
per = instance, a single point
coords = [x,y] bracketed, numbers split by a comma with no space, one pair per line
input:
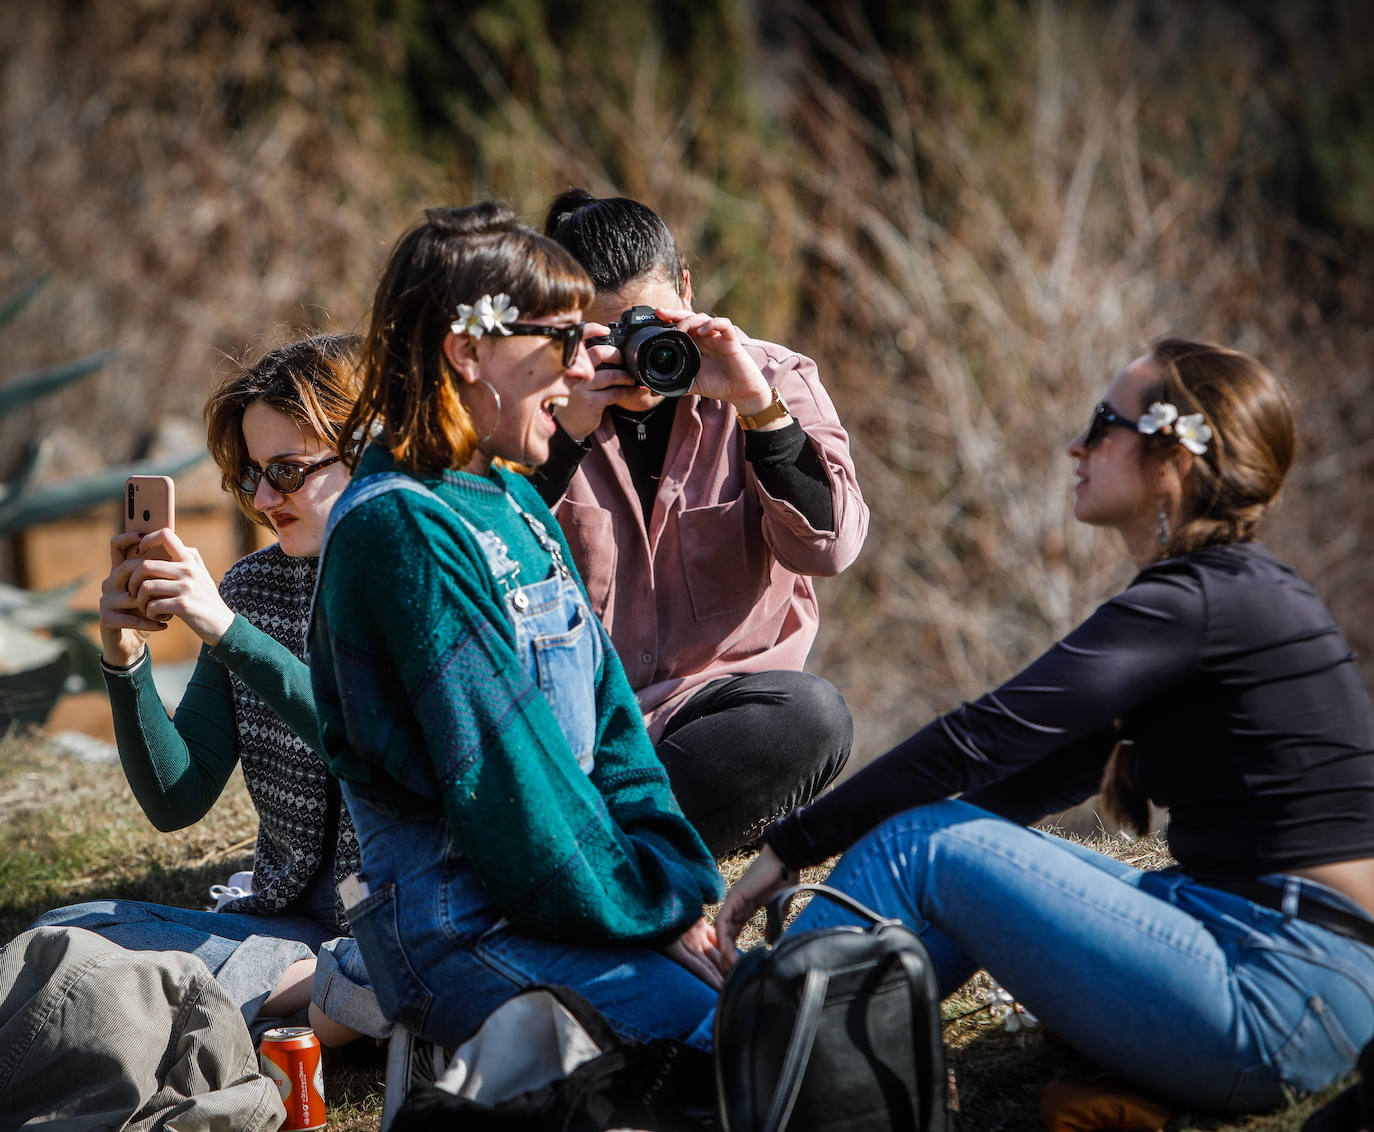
[491,314]
[1190,430]
[503,312]
[1161,415]
[1193,434]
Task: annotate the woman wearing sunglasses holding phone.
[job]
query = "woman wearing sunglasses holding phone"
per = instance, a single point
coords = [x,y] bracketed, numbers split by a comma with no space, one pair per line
[1216,685]
[273,429]
[516,826]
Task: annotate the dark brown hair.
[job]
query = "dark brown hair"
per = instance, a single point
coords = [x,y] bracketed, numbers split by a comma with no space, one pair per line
[618,240]
[456,255]
[1254,436]
[314,382]
[1229,488]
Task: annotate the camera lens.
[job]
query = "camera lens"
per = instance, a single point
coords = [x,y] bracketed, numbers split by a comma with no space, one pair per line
[665,360]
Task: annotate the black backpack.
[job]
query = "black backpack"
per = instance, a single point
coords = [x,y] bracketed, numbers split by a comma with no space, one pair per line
[830,1030]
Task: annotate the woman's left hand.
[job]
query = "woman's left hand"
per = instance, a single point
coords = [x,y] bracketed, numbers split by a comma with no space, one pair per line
[696,950]
[178,585]
[727,373]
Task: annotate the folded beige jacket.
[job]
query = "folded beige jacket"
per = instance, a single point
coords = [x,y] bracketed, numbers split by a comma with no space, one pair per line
[96,1037]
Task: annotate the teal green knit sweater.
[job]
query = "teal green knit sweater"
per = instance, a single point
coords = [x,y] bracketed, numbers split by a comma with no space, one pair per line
[426,710]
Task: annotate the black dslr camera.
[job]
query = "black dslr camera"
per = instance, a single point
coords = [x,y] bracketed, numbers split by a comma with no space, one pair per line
[656,355]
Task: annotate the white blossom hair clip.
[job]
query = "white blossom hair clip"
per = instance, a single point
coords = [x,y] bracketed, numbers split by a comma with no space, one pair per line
[1190,431]
[491,314]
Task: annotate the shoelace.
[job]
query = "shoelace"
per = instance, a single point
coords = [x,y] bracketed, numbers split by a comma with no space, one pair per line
[221,894]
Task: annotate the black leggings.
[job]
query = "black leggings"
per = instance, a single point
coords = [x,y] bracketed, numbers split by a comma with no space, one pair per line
[745,750]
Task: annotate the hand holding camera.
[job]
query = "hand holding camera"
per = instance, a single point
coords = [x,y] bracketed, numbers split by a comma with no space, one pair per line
[664,352]
[727,371]
[653,351]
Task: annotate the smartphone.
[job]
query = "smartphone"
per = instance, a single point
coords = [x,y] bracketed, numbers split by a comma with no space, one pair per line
[149,505]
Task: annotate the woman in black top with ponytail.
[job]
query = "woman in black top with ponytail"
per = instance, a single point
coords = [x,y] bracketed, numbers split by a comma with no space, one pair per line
[1217,685]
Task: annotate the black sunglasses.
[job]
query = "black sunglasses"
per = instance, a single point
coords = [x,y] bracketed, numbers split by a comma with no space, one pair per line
[570,336]
[285,478]
[1103,417]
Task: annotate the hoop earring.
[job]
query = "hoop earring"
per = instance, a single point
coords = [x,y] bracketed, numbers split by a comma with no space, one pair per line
[495,397]
[1163,531]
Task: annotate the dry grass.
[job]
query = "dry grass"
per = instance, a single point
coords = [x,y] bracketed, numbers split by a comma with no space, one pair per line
[70,831]
[971,225]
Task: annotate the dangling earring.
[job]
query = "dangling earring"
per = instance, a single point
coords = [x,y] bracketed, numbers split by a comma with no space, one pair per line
[495,396]
[1162,528]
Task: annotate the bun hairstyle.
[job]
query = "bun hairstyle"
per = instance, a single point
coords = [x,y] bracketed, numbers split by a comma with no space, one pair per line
[455,255]
[1229,489]
[1254,436]
[616,239]
[315,382]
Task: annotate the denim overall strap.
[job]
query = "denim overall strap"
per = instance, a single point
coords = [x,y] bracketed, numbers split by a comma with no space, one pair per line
[555,633]
[354,495]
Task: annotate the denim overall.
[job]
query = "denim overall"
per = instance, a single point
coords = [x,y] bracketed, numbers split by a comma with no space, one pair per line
[441,954]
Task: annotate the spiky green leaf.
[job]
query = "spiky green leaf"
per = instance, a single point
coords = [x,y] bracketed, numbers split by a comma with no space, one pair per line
[10,308]
[62,500]
[21,478]
[41,383]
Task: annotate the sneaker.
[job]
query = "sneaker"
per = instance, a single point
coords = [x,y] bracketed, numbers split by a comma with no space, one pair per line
[239,886]
[410,1061]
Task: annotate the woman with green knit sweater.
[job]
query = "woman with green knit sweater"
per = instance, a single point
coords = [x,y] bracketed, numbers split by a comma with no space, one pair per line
[516,827]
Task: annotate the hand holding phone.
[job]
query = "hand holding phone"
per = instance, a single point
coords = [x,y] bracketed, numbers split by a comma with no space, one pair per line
[168,579]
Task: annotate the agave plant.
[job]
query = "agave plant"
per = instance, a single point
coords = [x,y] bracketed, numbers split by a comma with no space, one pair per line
[43,648]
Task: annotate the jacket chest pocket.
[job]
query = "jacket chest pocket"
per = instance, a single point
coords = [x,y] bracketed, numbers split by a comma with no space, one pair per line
[724,557]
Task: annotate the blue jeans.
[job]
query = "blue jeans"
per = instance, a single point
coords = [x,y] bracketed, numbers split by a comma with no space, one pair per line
[248,955]
[443,957]
[1192,993]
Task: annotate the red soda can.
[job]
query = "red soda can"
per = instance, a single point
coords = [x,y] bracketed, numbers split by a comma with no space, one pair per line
[290,1055]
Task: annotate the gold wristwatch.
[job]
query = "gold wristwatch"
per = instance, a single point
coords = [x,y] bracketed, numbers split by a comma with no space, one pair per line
[775,411]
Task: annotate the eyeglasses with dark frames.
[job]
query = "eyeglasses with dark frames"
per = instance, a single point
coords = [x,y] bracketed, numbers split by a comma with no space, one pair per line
[284,478]
[570,336]
[1104,416]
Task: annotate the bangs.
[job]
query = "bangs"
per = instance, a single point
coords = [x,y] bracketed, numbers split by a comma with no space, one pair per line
[541,277]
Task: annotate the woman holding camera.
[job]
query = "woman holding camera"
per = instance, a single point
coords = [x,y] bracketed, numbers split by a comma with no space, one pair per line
[1217,685]
[698,522]
[516,827]
[272,429]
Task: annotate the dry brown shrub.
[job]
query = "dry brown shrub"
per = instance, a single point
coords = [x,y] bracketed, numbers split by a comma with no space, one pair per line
[969,265]
[198,182]
[970,301]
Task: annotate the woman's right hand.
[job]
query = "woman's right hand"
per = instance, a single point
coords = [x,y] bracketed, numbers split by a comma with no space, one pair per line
[123,628]
[765,876]
[142,594]
[588,400]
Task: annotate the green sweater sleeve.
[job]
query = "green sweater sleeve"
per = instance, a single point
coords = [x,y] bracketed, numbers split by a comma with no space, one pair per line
[177,767]
[414,647]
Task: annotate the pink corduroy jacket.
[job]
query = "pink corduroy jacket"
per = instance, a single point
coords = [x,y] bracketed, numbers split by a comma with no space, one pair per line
[720,582]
